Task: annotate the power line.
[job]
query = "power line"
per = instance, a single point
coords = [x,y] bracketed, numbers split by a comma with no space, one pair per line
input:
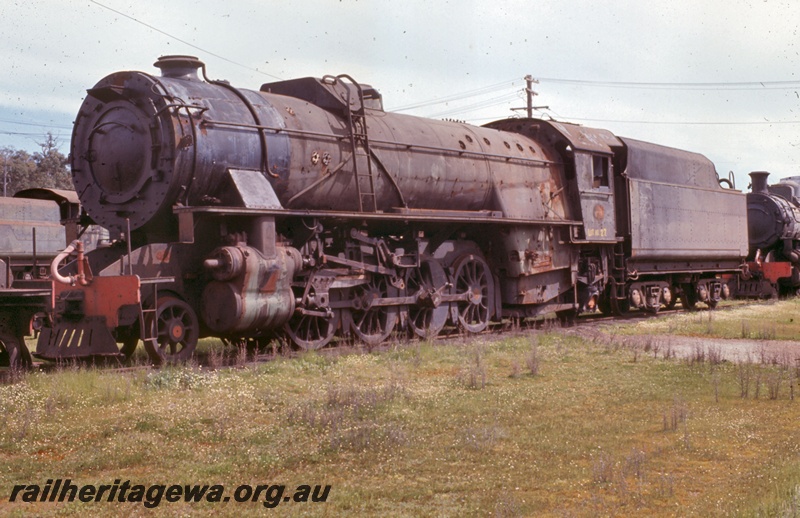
[499,100]
[670,123]
[458,96]
[192,45]
[719,86]
[35,124]
[741,85]
[487,103]
[25,134]
[688,123]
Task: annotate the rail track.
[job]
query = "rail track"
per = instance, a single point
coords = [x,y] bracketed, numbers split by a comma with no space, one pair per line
[244,354]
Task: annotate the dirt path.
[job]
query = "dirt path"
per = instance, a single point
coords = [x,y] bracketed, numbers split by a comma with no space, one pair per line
[784,352]
[735,350]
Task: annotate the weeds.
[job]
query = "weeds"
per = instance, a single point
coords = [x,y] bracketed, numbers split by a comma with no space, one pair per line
[24,426]
[635,464]
[216,358]
[172,378]
[665,485]
[774,381]
[675,416]
[474,374]
[654,345]
[758,384]
[745,376]
[583,440]
[532,360]
[698,355]
[482,438]
[348,416]
[708,322]
[241,356]
[603,469]
[761,332]
[507,506]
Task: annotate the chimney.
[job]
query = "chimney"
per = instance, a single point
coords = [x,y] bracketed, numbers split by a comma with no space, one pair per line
[179,67]
[758,182]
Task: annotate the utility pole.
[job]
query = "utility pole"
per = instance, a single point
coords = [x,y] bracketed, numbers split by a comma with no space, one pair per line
[529,93]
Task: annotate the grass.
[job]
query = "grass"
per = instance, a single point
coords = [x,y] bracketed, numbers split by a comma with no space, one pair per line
[768,320]
[542,424]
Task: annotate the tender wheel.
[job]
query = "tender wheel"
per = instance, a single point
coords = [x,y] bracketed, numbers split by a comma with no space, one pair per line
[688,296]
[472,277]
[311,332]
[372,324]
[674,300]
[620,308]
[13,351]
[428,316]
[175,329]
[604,302]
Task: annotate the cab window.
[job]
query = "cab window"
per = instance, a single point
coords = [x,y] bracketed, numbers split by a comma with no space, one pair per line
[599,171]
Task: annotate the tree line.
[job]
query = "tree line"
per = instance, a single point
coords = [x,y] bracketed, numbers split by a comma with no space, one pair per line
[46,168]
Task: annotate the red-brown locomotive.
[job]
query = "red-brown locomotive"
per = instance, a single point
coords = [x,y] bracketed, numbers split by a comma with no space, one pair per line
[304,209]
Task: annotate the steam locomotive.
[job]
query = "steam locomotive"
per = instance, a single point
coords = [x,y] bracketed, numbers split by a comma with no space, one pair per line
[305,210]
[773,219]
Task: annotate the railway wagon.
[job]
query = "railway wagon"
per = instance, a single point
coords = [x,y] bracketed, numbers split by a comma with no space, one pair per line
[35,225]
[305,210]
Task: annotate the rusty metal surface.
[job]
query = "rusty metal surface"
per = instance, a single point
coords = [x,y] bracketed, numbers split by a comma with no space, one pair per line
[84,316]
[655,163]
[249,291]
[585,154]
[586,139]
[773,272]
[103,297]
[328,92]
[58,195]
[581,138]
[672,222]
[771,219]
[678,212]
[76,339]
[788,187]
[244,197]
[20,218]
[416,215]
[417,163]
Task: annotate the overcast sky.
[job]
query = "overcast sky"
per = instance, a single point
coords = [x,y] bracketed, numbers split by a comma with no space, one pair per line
[719,77]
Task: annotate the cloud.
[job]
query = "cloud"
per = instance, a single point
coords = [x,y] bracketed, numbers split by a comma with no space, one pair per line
[418,50]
